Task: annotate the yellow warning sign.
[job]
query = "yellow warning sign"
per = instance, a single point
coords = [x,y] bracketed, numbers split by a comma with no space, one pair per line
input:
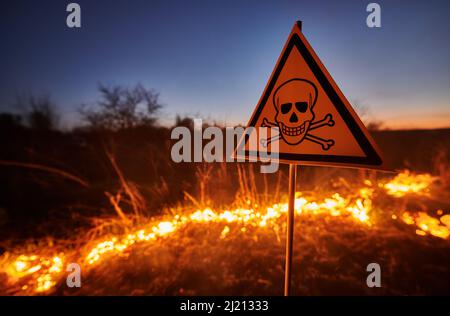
[316,124]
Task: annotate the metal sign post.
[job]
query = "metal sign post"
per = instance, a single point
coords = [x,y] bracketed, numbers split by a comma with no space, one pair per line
[290,228]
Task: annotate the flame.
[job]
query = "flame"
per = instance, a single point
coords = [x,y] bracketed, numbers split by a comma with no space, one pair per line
[428,225]
[40,273]
[407,182]
[224,232]
[49,269]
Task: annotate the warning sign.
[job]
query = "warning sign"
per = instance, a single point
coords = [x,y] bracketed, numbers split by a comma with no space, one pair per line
[316,123]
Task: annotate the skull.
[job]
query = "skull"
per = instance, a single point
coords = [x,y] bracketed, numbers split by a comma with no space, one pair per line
[294,101]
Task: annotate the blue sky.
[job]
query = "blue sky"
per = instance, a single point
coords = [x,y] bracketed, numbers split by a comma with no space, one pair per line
[213,58]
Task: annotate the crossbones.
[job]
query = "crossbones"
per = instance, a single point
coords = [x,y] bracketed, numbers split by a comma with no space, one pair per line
[325,143]
[294,101]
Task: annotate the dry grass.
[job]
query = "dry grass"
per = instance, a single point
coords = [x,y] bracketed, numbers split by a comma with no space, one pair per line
[331,251]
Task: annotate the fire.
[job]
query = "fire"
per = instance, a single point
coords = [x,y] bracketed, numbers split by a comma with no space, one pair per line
[46,269]
[40,273]
[406,182]
[428,225]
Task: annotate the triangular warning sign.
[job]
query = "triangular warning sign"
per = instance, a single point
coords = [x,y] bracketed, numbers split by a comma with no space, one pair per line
[317,125]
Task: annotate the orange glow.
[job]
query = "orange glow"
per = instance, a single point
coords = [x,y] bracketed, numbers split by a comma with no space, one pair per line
[428,225]
[406,182]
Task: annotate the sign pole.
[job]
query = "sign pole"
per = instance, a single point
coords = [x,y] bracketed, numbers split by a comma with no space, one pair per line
[290,228]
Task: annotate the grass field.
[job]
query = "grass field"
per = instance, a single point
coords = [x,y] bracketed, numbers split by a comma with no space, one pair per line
[395,222]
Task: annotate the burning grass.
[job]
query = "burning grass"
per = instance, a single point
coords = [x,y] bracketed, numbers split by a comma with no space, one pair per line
[240,250]
[405,183]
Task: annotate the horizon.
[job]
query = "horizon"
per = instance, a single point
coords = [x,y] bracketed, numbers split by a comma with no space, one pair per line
[227,54]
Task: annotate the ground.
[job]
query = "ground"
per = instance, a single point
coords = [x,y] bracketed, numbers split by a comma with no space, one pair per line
[241,251]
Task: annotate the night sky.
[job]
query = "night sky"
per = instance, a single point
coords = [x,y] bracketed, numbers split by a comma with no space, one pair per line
[213,58]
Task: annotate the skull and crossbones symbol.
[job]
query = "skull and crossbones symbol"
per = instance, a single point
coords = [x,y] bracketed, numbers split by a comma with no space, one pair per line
[294,101]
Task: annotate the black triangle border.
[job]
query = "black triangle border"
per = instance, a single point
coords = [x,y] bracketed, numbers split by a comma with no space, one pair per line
[371,158]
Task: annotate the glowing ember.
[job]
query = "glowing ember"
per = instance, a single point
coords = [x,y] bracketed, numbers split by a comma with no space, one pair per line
[407,182]
[446,220]
[224,232]
[25,266]
[428,225]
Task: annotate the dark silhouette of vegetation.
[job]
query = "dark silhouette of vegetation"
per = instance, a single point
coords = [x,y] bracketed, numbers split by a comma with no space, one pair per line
[40,113]
[122,108]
